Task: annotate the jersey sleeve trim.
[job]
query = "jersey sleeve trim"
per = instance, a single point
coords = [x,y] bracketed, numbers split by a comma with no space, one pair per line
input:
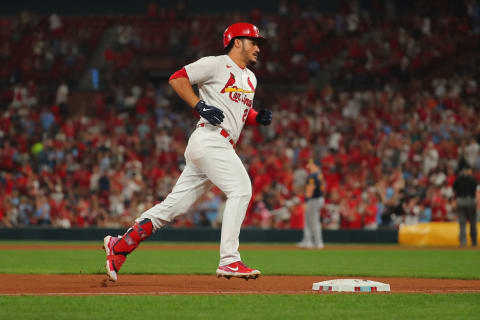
[182,73]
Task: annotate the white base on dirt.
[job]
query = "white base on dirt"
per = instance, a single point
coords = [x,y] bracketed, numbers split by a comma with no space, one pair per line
[350,285]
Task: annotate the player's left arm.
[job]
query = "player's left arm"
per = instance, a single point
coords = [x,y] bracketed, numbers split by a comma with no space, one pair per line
[263,116]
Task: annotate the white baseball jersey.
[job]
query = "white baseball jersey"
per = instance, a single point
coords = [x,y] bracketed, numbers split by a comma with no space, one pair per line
[225,85]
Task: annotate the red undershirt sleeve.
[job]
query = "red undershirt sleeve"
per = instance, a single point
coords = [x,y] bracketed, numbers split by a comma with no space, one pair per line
[251,118]
[182,73]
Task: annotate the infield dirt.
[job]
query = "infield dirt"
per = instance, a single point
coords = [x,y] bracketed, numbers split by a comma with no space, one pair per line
[15,284]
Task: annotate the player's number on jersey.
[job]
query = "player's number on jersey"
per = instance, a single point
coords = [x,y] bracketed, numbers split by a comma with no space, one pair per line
[245,114]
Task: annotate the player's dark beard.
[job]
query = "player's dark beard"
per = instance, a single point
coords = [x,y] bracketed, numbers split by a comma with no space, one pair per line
[250,62]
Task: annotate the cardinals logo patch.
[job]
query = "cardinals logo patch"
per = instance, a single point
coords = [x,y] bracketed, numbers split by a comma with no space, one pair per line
[229,86]
[230,82]
[238,94]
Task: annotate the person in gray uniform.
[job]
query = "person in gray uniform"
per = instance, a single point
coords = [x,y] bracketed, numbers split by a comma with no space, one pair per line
[312,229]
[465,187]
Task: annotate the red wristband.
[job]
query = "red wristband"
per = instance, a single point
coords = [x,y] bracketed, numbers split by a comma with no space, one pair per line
[251,118]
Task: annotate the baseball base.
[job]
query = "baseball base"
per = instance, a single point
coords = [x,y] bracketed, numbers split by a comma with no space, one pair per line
[350,285]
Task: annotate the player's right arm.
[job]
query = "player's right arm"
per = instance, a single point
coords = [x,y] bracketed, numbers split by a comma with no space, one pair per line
[197,73]
[184,90]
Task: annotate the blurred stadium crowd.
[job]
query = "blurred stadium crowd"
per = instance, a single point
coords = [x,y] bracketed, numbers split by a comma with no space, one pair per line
[386,99]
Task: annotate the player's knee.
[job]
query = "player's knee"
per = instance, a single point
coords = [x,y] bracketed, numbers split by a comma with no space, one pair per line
[241,192]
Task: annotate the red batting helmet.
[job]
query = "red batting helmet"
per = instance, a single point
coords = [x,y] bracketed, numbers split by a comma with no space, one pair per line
[241,29]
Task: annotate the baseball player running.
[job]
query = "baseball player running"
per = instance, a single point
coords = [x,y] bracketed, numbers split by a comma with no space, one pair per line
[226,89]
[312,230]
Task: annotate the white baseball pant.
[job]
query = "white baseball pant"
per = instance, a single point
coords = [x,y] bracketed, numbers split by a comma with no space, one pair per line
[210,160]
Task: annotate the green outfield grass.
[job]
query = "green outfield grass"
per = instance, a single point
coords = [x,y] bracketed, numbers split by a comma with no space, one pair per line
[340,306]
[436,263]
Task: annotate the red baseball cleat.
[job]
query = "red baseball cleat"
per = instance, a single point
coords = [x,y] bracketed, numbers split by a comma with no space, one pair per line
[237,269]
[114,261]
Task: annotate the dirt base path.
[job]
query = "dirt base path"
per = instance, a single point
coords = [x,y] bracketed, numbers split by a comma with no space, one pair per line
[204,285]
